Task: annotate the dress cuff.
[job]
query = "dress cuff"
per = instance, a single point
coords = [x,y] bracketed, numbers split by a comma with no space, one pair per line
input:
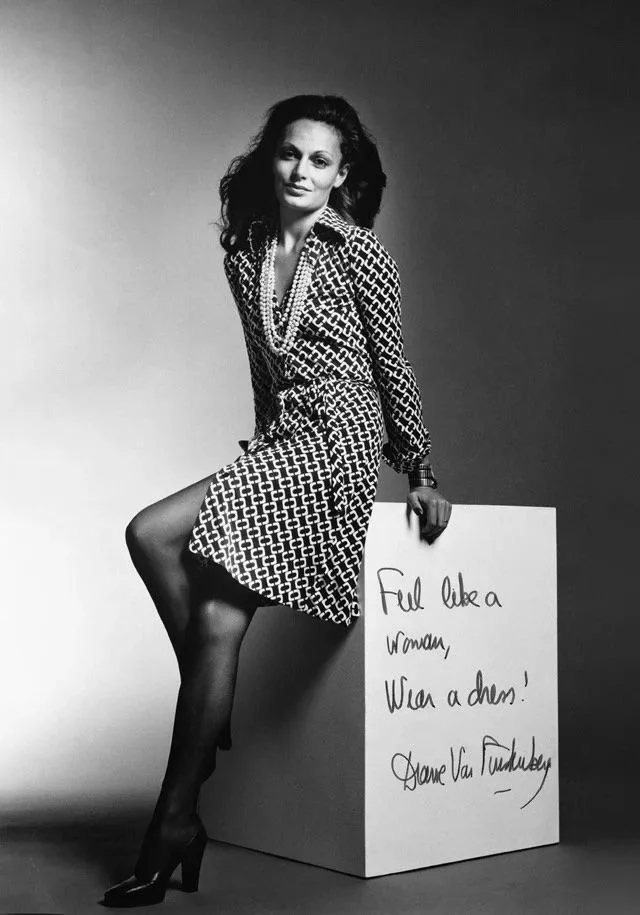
[403,461]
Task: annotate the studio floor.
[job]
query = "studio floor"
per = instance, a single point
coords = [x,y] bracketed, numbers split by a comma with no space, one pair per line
[59,861]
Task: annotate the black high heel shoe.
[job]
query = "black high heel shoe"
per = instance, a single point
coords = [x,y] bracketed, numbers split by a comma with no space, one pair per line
[136,890]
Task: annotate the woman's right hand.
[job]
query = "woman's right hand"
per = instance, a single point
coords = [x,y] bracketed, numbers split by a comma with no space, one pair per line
[433,509]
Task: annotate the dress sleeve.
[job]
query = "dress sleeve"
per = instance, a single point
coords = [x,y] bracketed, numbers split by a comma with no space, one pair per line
[378,292]
[260,374]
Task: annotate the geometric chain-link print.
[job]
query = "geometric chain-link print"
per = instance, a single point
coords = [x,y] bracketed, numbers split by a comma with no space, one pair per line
[289,516]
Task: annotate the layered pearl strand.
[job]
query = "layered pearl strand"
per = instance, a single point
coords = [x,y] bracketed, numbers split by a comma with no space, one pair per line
[296,298]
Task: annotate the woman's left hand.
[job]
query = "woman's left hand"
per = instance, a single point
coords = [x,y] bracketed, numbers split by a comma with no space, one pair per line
[432,507]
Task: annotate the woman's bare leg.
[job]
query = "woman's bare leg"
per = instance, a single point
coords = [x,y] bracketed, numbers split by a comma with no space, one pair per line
[210,663]
[205,699]
[206,614]
[221,612]
[156,538]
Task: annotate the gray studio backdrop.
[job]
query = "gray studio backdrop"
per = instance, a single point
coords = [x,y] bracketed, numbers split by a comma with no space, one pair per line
[124,372]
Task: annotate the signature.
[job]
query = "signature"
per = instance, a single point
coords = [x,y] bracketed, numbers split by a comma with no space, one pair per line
[495,759]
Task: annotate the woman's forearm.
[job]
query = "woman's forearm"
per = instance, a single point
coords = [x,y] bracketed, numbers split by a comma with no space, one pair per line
[422,474]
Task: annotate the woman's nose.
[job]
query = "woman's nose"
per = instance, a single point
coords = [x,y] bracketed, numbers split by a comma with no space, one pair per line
[300,169]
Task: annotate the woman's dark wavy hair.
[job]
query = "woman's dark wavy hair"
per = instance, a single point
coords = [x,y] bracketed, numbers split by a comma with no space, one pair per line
[247,192]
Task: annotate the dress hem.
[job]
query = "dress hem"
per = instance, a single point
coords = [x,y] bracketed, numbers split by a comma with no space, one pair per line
[205,560]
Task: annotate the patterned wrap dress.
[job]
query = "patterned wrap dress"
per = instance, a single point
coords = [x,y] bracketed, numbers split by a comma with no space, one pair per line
[289,516]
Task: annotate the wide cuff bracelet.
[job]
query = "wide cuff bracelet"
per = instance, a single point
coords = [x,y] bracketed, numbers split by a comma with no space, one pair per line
[422,476]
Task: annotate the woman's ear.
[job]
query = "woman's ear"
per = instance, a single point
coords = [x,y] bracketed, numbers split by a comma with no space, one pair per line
[343,171]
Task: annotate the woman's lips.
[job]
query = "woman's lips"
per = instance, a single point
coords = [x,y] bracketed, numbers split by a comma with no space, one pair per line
[294,187]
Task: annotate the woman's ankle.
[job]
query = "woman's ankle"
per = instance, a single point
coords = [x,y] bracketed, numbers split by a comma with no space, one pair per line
[174,811]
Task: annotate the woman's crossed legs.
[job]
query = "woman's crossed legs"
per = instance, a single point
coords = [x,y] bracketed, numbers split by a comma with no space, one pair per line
[206,614]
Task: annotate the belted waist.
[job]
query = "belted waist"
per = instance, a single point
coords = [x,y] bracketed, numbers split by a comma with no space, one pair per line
[322,391]
[322,380]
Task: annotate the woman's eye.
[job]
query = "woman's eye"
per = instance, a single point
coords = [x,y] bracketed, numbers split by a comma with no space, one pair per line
[291,154]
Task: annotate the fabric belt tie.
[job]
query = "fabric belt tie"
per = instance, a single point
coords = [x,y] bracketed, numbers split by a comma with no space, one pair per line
[324,392]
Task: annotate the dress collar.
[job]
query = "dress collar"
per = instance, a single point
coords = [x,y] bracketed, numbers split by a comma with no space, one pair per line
[329,223]
[332,220]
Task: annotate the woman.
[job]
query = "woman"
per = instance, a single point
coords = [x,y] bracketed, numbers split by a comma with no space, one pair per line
[319,300]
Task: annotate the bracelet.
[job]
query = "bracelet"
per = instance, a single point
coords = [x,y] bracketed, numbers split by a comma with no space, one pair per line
[422,475]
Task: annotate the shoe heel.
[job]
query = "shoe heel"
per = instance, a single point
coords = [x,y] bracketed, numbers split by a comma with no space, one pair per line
[192,861]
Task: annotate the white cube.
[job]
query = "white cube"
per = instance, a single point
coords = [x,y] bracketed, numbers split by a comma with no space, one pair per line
[426,732]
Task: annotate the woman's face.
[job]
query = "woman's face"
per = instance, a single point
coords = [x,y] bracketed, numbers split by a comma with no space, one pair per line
[306,165]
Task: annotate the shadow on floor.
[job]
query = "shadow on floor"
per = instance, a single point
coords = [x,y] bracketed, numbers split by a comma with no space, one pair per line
[108,838]
[105,840]
[59,861]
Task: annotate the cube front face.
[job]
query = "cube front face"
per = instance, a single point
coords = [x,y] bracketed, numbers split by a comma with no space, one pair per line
[424,734]
[461,742]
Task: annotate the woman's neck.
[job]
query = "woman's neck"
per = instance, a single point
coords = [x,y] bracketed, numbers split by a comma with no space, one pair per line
[294,228]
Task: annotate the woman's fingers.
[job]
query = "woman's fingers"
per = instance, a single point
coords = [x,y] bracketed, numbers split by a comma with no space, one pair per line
[414,504]
[439,518]
[434,512]
[430,524]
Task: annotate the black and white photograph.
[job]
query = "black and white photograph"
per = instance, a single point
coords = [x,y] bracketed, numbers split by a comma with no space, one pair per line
[319,485]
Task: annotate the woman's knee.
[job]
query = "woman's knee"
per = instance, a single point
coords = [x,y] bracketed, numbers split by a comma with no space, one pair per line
[165,525]
[142,533]
[219,623]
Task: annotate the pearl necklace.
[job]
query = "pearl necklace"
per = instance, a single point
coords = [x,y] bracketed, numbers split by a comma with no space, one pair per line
[297,296]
